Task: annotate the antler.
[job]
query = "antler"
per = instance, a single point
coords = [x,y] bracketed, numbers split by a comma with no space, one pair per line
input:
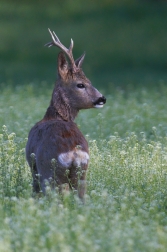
[56,42]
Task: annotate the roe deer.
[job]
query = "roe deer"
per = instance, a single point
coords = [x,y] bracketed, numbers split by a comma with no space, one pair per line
[56,149]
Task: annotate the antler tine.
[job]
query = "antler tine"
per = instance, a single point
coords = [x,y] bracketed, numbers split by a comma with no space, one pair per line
[49,44]
[57,42]
[71,46]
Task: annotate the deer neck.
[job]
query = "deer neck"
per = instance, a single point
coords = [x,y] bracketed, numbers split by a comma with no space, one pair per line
[59,107]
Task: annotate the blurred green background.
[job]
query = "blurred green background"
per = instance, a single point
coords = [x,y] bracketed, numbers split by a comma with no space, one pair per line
[125,40]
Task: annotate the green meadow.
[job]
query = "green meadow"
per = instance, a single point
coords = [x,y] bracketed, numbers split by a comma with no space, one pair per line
[125,206]
[126,200]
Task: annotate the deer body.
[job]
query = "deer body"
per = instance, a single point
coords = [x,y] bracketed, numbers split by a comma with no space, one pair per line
[56,150]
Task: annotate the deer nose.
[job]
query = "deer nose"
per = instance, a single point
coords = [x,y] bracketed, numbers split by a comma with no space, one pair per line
[100,102]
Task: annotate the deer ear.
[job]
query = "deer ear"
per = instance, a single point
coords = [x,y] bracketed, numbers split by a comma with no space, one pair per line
[62,65]
[80,60]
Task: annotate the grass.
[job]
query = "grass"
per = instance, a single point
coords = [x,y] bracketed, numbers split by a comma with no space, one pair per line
[126,201]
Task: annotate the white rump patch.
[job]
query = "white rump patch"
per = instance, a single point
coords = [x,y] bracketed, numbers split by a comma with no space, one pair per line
[76,157]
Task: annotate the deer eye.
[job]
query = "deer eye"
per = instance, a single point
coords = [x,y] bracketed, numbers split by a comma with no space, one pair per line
[80,86]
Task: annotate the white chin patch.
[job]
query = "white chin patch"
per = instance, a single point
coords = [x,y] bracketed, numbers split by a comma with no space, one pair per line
[99,105]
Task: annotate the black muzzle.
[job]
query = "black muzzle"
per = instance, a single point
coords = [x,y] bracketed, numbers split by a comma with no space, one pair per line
[100,101]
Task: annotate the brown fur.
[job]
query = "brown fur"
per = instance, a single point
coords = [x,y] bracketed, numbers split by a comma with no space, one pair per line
[57,133]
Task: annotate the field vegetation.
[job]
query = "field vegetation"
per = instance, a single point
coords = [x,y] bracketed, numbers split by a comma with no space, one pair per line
[126,200]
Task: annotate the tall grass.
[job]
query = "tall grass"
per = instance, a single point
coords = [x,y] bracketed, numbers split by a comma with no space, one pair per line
[126,198]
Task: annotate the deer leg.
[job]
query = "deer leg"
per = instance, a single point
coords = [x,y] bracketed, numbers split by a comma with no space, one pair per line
[54,180]
[36,182]
[77,178]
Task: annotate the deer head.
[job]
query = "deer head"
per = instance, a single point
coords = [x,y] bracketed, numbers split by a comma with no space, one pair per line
[73,90]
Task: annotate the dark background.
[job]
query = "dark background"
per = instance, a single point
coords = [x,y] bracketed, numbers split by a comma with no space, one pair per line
[125,41]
